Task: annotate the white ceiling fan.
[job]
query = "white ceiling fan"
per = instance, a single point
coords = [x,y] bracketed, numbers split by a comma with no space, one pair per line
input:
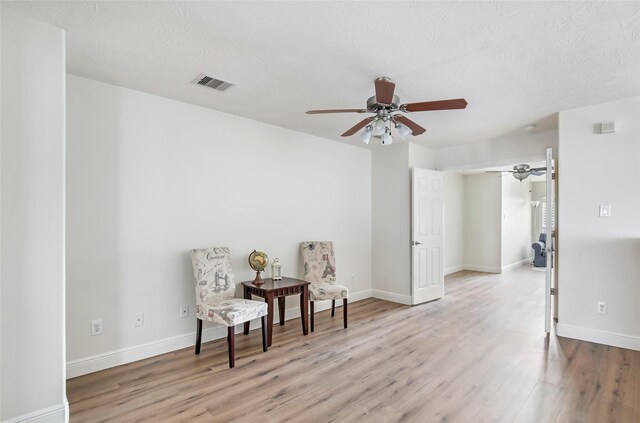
[522,171]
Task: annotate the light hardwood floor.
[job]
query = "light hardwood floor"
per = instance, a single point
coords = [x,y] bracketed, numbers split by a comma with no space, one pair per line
[477,355]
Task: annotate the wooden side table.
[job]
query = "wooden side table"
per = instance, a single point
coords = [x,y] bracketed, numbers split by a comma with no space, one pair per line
[271,289]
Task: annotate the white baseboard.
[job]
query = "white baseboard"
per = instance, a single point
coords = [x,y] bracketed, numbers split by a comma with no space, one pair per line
[392,296]
[54,414]
[485,269]
[360,295]
[454,269]
[114,358]
[109,359]
[598,336]
[516,264]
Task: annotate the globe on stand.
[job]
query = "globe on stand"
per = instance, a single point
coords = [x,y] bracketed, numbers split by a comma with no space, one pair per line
[258,262]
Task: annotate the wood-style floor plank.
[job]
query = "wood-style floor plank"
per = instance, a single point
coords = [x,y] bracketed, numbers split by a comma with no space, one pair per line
[477,355]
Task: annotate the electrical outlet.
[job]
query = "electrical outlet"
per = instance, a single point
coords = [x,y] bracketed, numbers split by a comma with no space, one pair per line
[139,319]
[96,327]
[605,210]
[602,307]
[184,311]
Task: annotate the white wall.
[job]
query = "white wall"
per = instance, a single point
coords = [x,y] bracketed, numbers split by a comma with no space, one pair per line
[487,222]
[32,151]
[483,198]
[600,257]
[150,178]
[454,222]
[420,156]
[516,222]
[538,190]
[391,219]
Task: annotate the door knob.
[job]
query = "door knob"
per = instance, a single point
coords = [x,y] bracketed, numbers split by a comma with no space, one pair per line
[416,243]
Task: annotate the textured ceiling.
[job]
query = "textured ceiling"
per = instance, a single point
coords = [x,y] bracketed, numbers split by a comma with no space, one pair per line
[515,62]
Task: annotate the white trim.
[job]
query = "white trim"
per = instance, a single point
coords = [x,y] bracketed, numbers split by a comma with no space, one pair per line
[516,264]
[484,269]
[109,359]
[454,269]
[392,296]
[491,163]
[598,336]
[360,295]
[58,412]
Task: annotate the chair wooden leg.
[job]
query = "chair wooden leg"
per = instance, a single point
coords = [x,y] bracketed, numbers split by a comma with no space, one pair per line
[231,335]
[344,311]
[264,333]
[312,313]
[333,308]
[198,336]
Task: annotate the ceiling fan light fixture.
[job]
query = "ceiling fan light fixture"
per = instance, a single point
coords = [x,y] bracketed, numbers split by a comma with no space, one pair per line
[403,130]
[520,175]
[379,127]
[387,139]
[383,105]
[365,136]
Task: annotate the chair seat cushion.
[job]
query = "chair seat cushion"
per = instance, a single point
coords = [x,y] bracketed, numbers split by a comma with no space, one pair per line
[232,311]
[327,291]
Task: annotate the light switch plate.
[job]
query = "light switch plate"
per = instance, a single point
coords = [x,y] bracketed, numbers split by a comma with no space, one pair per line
[605,210]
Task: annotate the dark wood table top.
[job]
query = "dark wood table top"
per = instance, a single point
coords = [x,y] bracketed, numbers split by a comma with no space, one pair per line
[270,284]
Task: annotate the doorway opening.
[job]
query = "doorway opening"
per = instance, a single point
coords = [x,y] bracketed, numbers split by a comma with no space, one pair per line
[496,223]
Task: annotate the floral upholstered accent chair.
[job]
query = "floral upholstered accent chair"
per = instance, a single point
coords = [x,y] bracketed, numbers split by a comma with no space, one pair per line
[319,266]
[215,297]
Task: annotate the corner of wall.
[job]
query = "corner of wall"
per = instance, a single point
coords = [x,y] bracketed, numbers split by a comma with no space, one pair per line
[391,219]
[421,156]
[33,196]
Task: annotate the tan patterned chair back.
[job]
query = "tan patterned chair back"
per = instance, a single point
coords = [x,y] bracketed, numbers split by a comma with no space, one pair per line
[318,262]
[213,274]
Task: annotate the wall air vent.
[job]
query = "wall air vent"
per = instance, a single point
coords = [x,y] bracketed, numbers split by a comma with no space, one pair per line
[208,81]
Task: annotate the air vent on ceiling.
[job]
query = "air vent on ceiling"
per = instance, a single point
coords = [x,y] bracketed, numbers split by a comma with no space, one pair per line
[216,84]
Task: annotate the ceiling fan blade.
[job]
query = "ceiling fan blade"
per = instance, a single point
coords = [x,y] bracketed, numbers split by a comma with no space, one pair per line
[415,128]
[315,112]
[539,169]
[425,106]
[498,171]
[537,172]
[358,127]
[384,90]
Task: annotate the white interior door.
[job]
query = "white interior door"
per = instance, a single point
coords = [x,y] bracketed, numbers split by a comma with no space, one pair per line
[550,231]
[427,226]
